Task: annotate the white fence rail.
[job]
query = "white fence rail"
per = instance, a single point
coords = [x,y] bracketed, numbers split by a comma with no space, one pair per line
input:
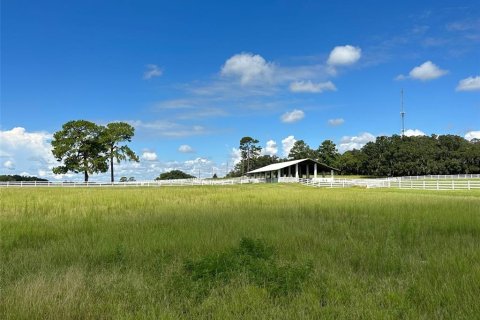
[429,183]
[439,177]
[424,184]
[159,183]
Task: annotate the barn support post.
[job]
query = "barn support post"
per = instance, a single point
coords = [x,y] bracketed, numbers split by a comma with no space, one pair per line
[296,171]
[331,172]
[308,171]
[289,171]
[315,170]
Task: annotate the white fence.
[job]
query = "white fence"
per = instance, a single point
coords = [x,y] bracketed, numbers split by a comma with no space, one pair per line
[425,184]
[439,177]
[158,183]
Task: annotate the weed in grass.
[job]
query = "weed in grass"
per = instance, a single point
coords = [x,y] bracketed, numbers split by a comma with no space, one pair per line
[253,259]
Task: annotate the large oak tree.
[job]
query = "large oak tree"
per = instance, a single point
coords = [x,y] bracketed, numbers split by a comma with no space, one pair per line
[80,149]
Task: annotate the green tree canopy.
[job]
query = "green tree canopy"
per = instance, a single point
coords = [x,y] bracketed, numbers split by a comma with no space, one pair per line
[79,147]
[174,174]
[250,150]
[114,134]
[301,150]
[327,153]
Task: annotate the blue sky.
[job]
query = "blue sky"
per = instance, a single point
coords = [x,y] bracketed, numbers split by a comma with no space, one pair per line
[203,74]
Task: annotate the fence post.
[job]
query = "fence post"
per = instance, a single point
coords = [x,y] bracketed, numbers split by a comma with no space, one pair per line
[453,184]
[423,184]
[437,184]
[468,184]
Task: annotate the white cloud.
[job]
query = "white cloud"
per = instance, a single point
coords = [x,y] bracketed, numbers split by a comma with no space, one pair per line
[168,128]
[152,71]
[287,145]
[27,151]
[344,55]
[355,142]
[248,68]
[414,133]
[149,156]
[293,116]
[472,135]
[336,122]
[424,72]
[235,155]
[311,87]
[9,165]
[271,148]
[469,84]
[185,148]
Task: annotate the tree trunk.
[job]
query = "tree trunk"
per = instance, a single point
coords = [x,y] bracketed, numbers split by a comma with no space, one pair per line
[111,165]
[86,175]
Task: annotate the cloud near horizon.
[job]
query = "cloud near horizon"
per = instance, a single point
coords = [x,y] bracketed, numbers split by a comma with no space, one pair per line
[287,145]
[355,142]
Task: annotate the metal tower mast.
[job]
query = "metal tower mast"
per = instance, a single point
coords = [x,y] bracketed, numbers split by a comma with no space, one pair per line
[402,114]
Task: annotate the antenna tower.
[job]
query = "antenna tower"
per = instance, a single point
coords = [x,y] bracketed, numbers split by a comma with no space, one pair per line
[402,114]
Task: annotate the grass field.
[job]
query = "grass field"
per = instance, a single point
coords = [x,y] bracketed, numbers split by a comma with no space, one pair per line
[239,252]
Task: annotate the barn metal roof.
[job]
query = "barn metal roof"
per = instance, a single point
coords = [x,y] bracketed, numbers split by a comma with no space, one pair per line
[281,165]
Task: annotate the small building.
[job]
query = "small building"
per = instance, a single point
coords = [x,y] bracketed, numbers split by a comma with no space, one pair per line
[303,168]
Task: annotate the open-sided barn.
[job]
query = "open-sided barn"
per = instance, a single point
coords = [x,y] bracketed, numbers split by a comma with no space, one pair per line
[302,168]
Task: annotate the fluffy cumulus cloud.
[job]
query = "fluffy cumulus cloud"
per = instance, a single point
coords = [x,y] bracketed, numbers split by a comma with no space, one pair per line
[287,145]
[271,148]
[469,84]
[26,152]
[152,71]
[185,148]
[472,135]
[311,87]
[248,68]
[235,156]
[293,116]
[336,122]
[355,142]
[344,55]
[414,133]
[424,72]
[149,156]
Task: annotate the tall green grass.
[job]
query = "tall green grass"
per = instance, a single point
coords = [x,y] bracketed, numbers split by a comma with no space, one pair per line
[239,252]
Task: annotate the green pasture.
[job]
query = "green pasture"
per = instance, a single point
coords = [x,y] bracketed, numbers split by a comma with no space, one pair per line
[239,252]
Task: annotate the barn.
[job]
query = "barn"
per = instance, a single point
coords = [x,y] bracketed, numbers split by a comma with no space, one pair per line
[295,169]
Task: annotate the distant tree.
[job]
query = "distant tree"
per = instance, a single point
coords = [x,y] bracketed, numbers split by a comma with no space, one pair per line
[300,150]
[16,177]
[114,134]
[214,176]
[123,179]
[131,179]
[327,153]
[249,151]
[174,174]
[79,147]
[264,160]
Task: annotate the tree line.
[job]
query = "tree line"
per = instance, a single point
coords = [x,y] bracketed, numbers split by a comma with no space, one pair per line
[16,177]
[386,156]
[83,146]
